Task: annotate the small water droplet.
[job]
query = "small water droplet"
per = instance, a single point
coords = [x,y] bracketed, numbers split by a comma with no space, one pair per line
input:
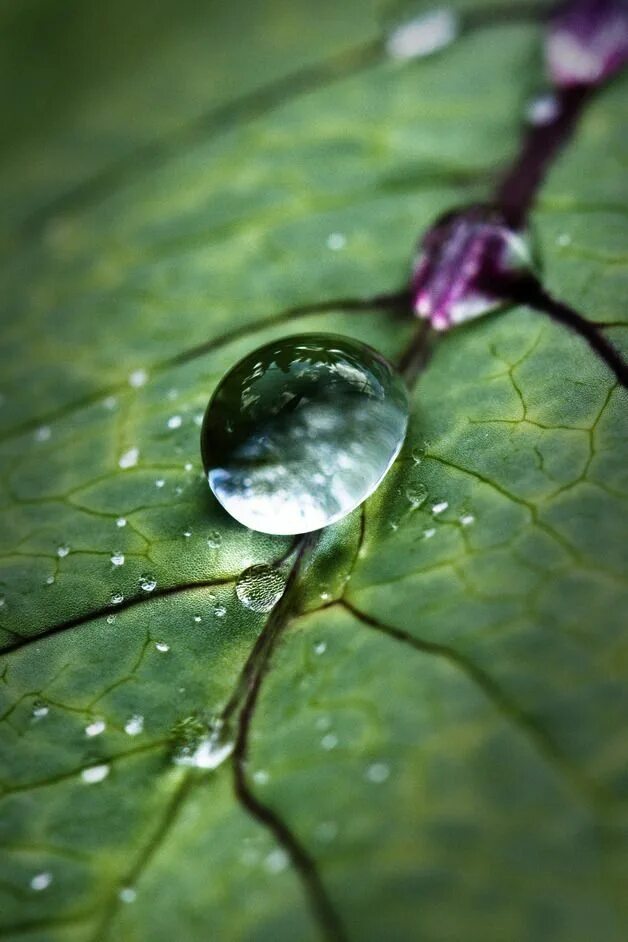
[129,458]
[416,494]
[121,522]
[62,551]
[159,483]
[40,710]
[134,725]
[188,466]
[127,894]
[276,861]
[336,241]
[197,619]
[429,533]
[440,507]
[95,774]
[418,453]
[43,433]
[563,239]
[259,588]
[109,403]
[138,378]
[95,728]
[543,110]
[328,742]
[117,598]
[467,519]
[187,534]
[301,431]
[50,580]
[378,772]
[162,647]
[117,559]
[147,583]
[110,619]
[214,539]
[220,611]
[261,777]
[324,594]
[41,881]
[175,421]
[320,647]
[202,747]
[423,35]
[3,601]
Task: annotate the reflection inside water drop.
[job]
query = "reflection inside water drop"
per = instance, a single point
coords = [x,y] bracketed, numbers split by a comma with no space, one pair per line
[259,588]
[301,431]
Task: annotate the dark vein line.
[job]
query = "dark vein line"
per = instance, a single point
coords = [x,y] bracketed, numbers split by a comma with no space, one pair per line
[320,904]
[393,301]
[46,923]
[532,293]
[147,853]
[124,606]
[8,790]
[416,355]
[544,743]
[246,107]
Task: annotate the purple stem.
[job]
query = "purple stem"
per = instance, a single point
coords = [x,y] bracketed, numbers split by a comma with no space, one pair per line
[532,293]
[516,192]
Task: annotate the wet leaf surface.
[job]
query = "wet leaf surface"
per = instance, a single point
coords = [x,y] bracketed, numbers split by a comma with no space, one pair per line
[441,728]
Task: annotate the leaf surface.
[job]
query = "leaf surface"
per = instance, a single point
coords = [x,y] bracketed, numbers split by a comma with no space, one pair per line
[442,724]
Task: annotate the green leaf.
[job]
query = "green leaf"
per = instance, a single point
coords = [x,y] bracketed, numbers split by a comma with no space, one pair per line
[435,736]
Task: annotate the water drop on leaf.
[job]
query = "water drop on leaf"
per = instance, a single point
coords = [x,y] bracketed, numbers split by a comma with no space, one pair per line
[259,588]
[301,431]
[148,583]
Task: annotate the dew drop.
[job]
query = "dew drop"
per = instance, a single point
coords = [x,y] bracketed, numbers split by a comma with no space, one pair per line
[543,110]
[467,519]
[62,551]
[429,533]
[423,35]
[377,773]
[50,580]
[121,522]
[147,583]
[95,728]
[3,601]
[117,598]
[117,559]
[416,494]
[214,539]
[95,774]
[42,434]
[261,777]
[206,751]
[138,378]
[276,861]
[418,453]
[162,647]
[127,894]
[440,507]
[187,534]
[259,588]
[336,241]
[320,647]
[329,742]
[159,483]
[40,710]
[109,403]
[301,431]
[220,611]
[129,458]
[174,421]
[197,619]
[188,466]
[110,619]
[41,881]
[134,725]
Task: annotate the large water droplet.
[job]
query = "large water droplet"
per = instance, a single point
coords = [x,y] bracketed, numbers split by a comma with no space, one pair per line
[259,588]
[301,431]
[203,750]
